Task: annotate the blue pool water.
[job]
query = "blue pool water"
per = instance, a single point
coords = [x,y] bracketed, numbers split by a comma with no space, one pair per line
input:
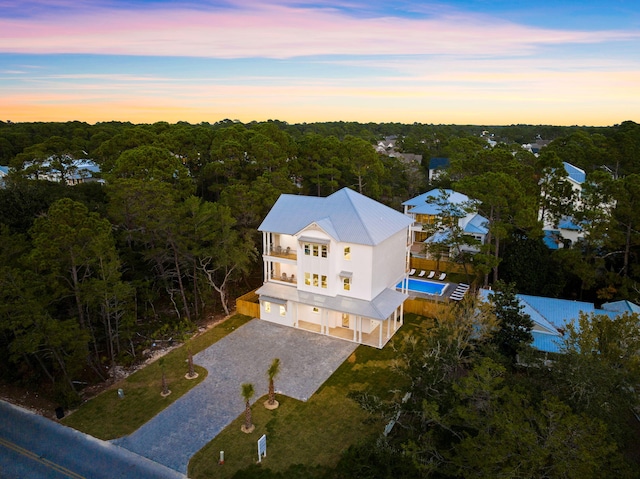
[423,286]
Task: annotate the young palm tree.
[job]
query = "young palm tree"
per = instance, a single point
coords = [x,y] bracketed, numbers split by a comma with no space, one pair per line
[272,372]
[247,394]
[165,388]
[191,374]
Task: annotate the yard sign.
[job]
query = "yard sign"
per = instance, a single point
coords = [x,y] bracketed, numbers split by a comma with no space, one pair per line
[262,447]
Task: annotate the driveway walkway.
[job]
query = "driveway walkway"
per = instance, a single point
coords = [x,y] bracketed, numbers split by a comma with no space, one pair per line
[307,360]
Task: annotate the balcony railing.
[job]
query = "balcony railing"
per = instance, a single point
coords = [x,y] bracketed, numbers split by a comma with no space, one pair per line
[288,253]
[285,278]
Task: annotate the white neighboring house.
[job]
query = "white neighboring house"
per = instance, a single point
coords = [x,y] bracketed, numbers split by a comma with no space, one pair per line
[427,214]
[4,171]
[566,230]
[75,171]
[331,265]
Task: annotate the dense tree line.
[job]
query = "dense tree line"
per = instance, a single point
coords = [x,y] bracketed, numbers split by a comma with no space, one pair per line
[470,410]
[92,273]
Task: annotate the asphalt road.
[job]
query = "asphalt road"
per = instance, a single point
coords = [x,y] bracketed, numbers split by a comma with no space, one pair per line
[35,447]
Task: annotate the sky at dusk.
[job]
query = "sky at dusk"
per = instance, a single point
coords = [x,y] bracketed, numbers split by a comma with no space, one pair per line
[490,62]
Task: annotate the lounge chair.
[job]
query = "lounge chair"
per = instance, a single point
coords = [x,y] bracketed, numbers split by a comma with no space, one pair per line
[431,274]
[442,276]
[421,273]
[412,272]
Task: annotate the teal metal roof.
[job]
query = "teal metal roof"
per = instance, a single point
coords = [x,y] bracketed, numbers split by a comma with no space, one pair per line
[622,306]
[477,225]
[421,205]
[346,216]
[552,314]
[556,311]
[576,174]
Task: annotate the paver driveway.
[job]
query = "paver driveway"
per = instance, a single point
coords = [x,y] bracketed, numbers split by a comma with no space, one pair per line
[181,430]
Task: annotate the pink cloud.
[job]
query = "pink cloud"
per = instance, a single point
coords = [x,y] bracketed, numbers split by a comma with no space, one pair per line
[276,31]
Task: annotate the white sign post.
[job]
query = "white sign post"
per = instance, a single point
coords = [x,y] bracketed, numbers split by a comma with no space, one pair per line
[262,447]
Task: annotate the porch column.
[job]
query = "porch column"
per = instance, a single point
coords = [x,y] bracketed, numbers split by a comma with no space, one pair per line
[355,330]
[380,336]
[360,330]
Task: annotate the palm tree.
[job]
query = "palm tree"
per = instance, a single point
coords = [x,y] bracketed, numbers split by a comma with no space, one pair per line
[247,394]
[272,372]
[191,374]
[165,388]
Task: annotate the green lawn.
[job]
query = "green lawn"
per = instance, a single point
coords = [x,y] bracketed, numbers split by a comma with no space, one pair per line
[312,433]
[107,416]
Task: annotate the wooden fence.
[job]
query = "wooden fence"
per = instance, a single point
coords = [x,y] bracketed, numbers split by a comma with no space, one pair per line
[248,304]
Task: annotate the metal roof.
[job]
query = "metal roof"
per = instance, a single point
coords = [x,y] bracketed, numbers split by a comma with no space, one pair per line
[551,314]
[346,216]
[576,174]
[568,223]
[421,204]
[622,306]
[379,308]
[477,224]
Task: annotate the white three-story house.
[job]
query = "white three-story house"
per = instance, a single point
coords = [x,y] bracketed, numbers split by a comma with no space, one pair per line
[331,265]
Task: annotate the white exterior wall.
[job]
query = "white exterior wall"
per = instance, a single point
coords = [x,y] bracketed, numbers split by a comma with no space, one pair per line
[361,267]
[274,315]
[389,263]
[316,264]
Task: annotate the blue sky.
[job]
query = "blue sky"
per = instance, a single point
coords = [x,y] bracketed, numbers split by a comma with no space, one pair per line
[480,62]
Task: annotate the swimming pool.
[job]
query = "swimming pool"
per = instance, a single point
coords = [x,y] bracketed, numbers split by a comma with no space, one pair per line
[424,286]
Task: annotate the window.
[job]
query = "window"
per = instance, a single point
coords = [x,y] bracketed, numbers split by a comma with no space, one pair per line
[307,249]
[324,281]
[283,310]
[315,250]
[267,307]
[347,253]
[316,310]
[346,284]
[315,280]
[307,279]
[323,250]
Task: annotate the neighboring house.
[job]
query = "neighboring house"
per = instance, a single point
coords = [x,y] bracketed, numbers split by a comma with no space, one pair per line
[551,316]
[75,171]
[4,171]
[331,265]
[436,166]
[536,146]
[566,230]
[430,218]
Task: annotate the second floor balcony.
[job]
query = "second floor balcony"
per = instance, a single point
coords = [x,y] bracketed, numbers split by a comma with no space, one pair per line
[280,252]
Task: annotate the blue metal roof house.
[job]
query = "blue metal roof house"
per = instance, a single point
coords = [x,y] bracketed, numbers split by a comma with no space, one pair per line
[552,315]
[425,210]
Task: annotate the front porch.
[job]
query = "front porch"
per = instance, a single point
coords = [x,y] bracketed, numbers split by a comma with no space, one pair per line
[377,338]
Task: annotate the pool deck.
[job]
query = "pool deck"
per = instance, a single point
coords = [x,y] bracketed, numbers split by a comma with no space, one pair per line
[447,292]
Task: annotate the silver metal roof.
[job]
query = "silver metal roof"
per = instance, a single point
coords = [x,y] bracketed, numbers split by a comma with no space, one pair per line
[380,308]
[347,216]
